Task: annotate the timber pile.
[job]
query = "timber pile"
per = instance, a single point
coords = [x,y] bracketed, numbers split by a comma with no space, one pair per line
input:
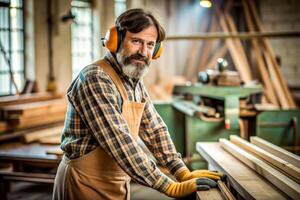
[276,90]
[30,111]
[278,171]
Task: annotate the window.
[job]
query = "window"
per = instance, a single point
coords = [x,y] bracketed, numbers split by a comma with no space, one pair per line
[120,7]
[12,45]
[82,36]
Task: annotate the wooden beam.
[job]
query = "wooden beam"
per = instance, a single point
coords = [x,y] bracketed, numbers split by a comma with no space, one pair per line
[26,98]
[44,133]
[240,35]
[270,55]
[269,90]
[276,150]
[282,182]
[246,182]
[218,54]
[292,171]
[213,193]
[225,191]
[207,47]
[243,70]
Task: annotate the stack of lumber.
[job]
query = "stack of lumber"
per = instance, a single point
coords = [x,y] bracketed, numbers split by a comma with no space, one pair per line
[35,114]
[31,110]
[281,171]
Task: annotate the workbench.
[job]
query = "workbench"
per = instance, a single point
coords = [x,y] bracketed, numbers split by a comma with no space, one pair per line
[23,157]
[246,182]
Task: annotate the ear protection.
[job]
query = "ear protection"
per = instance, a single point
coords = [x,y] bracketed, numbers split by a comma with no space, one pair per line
[113,39]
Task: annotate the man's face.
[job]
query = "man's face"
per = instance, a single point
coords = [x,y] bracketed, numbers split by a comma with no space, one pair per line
[136,52]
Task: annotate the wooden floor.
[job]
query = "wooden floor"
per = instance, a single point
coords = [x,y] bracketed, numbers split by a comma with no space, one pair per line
[32,191]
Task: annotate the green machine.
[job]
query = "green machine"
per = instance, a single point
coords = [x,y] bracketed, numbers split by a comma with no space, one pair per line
[206,113]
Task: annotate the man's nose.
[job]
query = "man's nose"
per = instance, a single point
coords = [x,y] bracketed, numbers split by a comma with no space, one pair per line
[144,50]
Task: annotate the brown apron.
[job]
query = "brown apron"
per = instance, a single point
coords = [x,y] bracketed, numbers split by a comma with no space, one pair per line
[97,175]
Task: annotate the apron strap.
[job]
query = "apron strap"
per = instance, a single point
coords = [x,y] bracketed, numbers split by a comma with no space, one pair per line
[114,76]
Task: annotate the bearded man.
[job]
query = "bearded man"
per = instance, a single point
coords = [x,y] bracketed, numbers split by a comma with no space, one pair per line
[108,110]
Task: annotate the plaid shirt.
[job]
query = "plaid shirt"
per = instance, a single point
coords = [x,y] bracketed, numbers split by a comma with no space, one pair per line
[94,118]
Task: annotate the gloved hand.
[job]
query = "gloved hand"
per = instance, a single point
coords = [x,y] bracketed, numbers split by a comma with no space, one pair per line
[187,175]
[178,190]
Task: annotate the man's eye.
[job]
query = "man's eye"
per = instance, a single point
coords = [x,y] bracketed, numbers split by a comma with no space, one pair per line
[151,45]
[136,42]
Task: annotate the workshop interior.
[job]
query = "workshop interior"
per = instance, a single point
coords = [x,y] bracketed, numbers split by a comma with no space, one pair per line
[226,85]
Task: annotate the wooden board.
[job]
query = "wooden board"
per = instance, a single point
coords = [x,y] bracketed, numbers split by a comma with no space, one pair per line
[285,184]
[269,90]
[55,139]
[276,150]
[292,171]
[245,181]
[26,122]
[26,98]
[44,133]
[3,126]
[225,191]
[212,194]
[35,109]
[271,56]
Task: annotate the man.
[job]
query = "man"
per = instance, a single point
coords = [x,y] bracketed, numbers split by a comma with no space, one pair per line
[108,110]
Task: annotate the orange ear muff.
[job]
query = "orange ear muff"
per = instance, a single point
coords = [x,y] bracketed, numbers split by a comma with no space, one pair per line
[112,39]
[157,50]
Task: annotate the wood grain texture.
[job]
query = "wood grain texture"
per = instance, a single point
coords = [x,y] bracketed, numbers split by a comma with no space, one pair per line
[212,194]
[245,181]
[285,167]
[285,184]
[276,150]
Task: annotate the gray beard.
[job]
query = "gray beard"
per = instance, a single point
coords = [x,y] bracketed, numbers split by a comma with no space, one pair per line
[130,70]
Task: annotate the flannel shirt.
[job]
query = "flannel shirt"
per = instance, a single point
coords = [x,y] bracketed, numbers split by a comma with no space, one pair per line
[94,118]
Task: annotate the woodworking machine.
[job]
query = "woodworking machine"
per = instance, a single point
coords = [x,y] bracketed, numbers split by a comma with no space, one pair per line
[205,113]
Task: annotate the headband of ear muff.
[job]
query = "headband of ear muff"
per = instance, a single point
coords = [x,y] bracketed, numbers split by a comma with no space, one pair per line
[113,39]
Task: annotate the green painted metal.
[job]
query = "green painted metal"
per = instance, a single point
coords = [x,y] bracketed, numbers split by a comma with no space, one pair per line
[217,92]
[276,126]
[230,96]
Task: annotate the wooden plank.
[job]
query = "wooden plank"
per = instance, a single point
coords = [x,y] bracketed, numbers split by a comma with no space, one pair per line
[27,122]
[211,194]
[271,56]
[244,72]
[286,167]
[237,41]
[26,98]
[285,184]
[55,139]
[218,53]
[276,150]
[44,133]
[35,108]
[225,191]
[245,181]
[207,46]
[269,90]
[3,126]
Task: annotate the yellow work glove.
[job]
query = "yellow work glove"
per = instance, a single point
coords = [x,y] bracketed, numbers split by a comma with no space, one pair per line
[187,175]
[178,190]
